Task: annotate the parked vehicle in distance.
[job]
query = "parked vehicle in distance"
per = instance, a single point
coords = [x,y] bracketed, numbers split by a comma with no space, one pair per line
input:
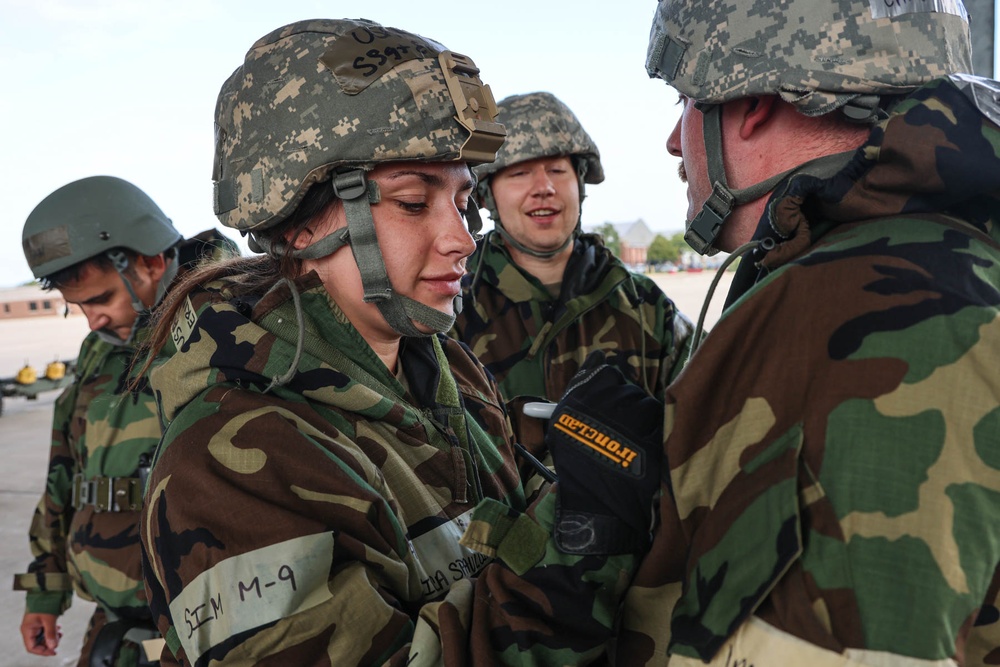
[28,384]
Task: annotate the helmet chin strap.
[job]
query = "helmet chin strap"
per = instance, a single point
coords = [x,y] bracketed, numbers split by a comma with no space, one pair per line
[548,254]
[357,194]
[120,261]
[705,227]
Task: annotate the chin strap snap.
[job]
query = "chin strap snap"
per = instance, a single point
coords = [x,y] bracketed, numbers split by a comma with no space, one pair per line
[358,194]
[119,260]
[703,230]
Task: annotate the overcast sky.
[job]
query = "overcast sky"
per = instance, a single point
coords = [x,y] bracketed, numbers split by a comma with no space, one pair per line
[128,88]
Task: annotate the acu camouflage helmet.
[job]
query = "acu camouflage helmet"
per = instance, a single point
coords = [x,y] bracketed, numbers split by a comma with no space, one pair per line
[326,101]
[816,54]
[317,96]
[539,125]
[92,216]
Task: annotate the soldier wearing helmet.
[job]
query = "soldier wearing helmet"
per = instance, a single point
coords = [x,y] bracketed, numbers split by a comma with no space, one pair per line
[109,249]
[541,295]
[337,482]
[833,487]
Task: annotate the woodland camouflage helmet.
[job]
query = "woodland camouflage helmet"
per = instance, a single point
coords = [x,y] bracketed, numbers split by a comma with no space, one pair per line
[89,217]
[818,55]
[539,125]
[327,101]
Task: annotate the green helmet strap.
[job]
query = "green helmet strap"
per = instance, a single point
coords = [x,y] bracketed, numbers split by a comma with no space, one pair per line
[169,273]
[704,228]
[535,253]
[120,261]
[358,194]
[327,245]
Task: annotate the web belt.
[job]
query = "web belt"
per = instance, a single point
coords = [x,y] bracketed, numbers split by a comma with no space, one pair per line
[107,494]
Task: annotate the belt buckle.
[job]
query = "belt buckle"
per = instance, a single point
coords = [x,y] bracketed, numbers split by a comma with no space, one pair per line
[104,494]
[128,494]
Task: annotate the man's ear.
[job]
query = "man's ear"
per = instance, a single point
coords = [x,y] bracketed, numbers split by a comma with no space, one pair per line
[756,112]
[154,266]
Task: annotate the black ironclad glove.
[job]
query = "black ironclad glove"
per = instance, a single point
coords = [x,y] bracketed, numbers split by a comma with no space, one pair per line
[606,439]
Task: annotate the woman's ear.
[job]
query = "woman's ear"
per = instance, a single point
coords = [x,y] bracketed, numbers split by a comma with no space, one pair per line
[756,112]
[328,220]
[300,238]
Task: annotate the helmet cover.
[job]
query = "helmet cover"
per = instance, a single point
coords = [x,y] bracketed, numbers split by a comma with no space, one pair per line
[322,95]
[539,125]
[816,54]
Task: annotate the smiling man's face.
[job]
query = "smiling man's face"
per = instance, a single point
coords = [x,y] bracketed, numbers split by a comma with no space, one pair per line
[538,202]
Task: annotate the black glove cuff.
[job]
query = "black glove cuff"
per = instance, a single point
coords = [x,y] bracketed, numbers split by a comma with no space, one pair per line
[589,534]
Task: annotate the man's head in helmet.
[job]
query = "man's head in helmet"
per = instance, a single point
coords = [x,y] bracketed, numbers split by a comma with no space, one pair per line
[767,87]
[535,188]
[341,133]
[107,247]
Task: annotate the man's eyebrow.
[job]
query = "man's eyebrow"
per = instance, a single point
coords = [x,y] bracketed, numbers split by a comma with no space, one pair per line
[97,298]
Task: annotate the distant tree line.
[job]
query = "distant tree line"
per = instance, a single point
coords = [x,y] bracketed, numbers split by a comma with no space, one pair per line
[662,249]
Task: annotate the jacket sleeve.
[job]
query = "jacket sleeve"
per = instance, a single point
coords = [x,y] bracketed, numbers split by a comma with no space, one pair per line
[269,537]
[47,581]
[264,536]
[678,339]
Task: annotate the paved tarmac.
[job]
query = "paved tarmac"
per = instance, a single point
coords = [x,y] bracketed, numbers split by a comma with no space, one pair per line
[24,441]
[25,427]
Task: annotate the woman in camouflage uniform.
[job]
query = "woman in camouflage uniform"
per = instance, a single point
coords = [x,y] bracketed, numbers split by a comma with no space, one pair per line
[326,448]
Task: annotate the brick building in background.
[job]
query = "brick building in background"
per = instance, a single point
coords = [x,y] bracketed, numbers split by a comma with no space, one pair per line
[634,238]
[32,301]
[633,241]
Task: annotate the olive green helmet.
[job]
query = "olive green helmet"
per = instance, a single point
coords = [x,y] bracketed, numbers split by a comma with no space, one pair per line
[539,125]
[90,217]
[818,55]
[327,101]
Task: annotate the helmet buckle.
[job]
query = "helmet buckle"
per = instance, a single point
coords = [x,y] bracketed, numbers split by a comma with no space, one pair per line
[350,185]
[474,105]
[701,232]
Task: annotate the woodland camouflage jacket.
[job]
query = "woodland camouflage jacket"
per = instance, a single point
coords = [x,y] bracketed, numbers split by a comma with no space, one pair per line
[318,522]
[833,445]
[533,343]
[99,429]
